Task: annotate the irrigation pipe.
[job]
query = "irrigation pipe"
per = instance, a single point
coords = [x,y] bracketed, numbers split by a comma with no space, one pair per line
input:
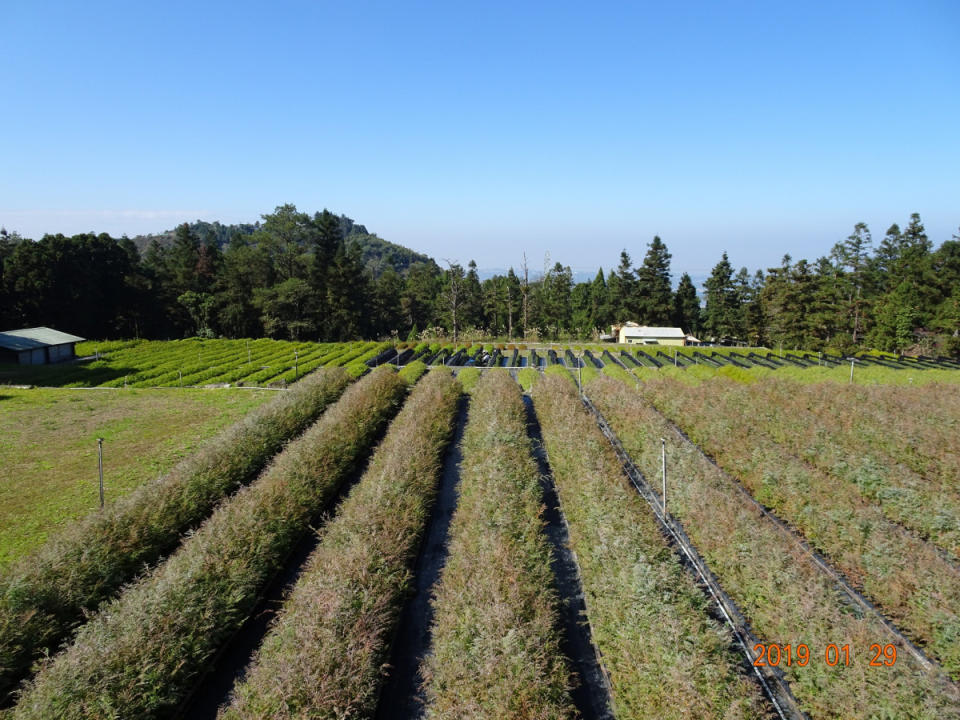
[780,696]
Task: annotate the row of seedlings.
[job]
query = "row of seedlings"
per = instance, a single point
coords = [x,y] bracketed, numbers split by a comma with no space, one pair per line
[826,644]
[239,373]
[47,593]
[495,650]
[910,578]
[323,656]
[839,439]
[665,655]
[142,654]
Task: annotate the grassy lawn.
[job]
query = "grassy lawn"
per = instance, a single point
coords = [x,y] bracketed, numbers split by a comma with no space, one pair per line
[48,449]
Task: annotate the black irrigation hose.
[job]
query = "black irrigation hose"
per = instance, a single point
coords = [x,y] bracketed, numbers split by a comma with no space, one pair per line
[651,358]
[383,357]
[709,361]
[771,679]
[607,354]
[596,363]
[793,359]
[819,560]
[770,358]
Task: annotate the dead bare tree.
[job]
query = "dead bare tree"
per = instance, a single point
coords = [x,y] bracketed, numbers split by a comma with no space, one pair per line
[454,292]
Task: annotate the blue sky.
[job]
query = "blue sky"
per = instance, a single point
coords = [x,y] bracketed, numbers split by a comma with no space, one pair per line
[482,130]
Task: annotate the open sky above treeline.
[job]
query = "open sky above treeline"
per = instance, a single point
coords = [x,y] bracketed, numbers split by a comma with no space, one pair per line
[482,130]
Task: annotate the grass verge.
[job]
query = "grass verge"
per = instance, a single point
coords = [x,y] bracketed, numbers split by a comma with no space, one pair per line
[48,450]
[48,592]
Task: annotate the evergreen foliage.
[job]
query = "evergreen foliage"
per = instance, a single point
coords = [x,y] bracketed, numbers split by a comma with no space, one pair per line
[322,277]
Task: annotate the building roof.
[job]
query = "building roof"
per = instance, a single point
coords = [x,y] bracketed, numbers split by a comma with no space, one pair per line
[653,332]
[38,337]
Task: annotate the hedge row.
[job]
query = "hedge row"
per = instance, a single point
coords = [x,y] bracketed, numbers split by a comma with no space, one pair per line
[495,647]
[666,657]
[323,656]
[46,594]
[141,655]
[784,595]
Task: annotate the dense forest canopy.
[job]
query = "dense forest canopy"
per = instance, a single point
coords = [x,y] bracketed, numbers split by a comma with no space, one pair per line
[321,276]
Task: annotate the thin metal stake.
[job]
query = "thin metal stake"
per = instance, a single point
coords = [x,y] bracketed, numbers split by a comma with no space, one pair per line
[851,370]
[180,373]
[663,462]
[296,364]
[248,352]
[100,463]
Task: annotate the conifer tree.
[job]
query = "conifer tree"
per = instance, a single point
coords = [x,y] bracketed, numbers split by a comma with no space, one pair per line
[653,291]
[686,306]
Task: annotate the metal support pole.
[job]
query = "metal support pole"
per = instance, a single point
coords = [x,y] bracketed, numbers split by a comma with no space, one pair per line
[180,373]
[248,352]
[296,364]
[663,463]
[851,370]
[100,464]
[580,374]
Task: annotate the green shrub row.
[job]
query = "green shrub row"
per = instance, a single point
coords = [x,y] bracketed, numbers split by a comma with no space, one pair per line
[785,596]
[665,655]
[142,654]
[323,656]
[841,434]
[411,372]
[495,649]
[47,593]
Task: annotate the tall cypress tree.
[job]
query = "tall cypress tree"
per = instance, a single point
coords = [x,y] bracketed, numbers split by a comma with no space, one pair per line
[623,288]
[654,294]
[720,314]
[686,306]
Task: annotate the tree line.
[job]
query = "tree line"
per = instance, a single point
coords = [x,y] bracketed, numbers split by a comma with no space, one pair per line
[302,277]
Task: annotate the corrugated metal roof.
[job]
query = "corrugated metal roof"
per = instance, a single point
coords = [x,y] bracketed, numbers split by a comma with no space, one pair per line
[38,337]
[653,332]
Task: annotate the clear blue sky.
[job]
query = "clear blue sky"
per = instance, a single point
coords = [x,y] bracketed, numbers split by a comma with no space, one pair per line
[483,129]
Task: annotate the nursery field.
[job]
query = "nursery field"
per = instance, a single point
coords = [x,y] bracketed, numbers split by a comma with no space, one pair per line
[48,449]
[804,561]
[196,362]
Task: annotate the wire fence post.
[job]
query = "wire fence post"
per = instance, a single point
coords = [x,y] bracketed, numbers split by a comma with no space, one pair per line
[180,373]
[663,465]
[248,352]
[296,364]
[851,370]
[100,465]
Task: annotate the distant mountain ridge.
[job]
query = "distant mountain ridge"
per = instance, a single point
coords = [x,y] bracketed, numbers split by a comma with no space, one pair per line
[378,254]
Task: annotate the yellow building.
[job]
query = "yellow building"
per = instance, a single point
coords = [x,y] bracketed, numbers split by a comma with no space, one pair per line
[631,334]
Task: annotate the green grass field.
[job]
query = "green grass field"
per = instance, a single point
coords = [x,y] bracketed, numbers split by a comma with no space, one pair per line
[48,449]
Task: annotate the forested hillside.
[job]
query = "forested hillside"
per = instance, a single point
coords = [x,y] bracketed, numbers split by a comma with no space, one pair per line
[320,276]
[378,254]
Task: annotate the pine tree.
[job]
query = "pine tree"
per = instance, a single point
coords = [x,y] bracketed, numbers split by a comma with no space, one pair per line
[720,313]
[623,290]
[653,290]
[686,306]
